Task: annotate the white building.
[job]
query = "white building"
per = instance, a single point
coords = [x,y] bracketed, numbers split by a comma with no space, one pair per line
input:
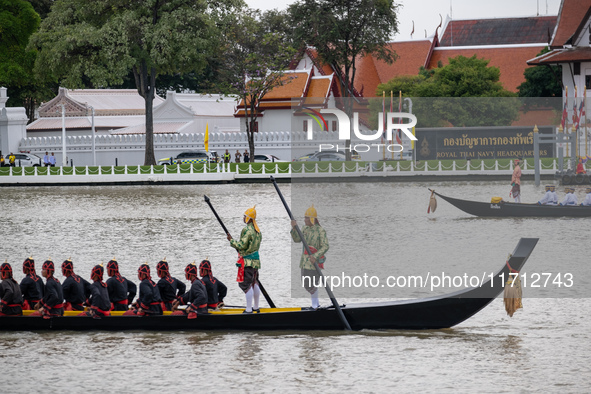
[122,111]
[571,50]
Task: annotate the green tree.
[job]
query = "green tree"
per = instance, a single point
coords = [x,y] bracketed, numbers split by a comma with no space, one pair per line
[99,43]
[544,81]
[342,31]
[42,7]
[465,92]
[255,56]
[18,21]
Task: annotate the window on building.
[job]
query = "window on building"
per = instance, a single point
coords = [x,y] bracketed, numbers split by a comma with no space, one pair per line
[305,126]
[334,126]
[577,68]
[588,81]
[256,127]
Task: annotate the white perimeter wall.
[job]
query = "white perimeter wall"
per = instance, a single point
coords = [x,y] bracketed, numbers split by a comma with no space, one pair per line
[130,149]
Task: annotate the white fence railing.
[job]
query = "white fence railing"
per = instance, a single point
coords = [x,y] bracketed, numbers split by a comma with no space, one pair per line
[231,172]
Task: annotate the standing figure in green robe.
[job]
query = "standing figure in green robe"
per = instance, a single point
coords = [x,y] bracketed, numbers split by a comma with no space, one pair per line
[315,237]
[248,249]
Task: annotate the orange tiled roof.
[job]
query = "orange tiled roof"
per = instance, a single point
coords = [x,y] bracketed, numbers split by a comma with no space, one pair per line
[539,117]
[411,56]
[498,31]
[366,76]
[510,60]
[315,92]
[323,68]
[570,16]
[319,87]
[240,113]
[295,86]
[580,54]
[371,72]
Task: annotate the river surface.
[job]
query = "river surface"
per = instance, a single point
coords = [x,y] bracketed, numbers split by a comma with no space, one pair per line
[377,229]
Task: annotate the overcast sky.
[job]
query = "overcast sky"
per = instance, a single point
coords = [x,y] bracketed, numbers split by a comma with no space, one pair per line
[425,13]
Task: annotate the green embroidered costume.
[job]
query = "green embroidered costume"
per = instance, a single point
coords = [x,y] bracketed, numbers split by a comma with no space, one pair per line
[248,246]
[315,237]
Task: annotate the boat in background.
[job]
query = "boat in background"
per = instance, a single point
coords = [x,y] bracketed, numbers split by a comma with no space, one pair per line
[512,209]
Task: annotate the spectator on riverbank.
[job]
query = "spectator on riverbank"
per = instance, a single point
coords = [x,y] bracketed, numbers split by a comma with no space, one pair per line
[1,161]
[246,157]
[11,159]
[52,159]
[238,155]
[46,162]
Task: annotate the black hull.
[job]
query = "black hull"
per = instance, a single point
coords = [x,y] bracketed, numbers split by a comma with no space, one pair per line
[430,313]
[511,209]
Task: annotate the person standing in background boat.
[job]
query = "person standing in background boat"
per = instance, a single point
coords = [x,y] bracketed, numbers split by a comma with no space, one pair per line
[149,301]
[11,299]
[248,249]
[99,295]
[516,182]
[216,290]
[315,237]
[31,286]
[587,201]
[121,290]
[550,198]
[170,288]
[570,198]
[76,289]
[52,304]
[196,297]
[580,167]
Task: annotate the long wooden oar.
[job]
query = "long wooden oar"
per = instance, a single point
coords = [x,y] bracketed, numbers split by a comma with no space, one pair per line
[326,287]
[265,294]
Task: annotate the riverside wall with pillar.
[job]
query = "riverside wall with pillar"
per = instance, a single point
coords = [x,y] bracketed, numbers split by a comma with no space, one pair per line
[13,123]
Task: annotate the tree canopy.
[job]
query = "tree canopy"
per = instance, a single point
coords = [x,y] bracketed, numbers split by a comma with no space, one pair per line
[541,81]
[99,43]
[18,21]
[465,92]
[255,56]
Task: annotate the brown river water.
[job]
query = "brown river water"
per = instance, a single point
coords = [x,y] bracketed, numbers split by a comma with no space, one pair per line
[377,229]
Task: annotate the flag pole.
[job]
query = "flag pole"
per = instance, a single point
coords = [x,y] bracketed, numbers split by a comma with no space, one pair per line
[585,112]
[400,119]
[566,119]
[384,126]
[392,110]
[576,127]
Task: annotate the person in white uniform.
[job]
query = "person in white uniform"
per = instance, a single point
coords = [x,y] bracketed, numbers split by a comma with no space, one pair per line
[587,201]
[550,198]
[570,198]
